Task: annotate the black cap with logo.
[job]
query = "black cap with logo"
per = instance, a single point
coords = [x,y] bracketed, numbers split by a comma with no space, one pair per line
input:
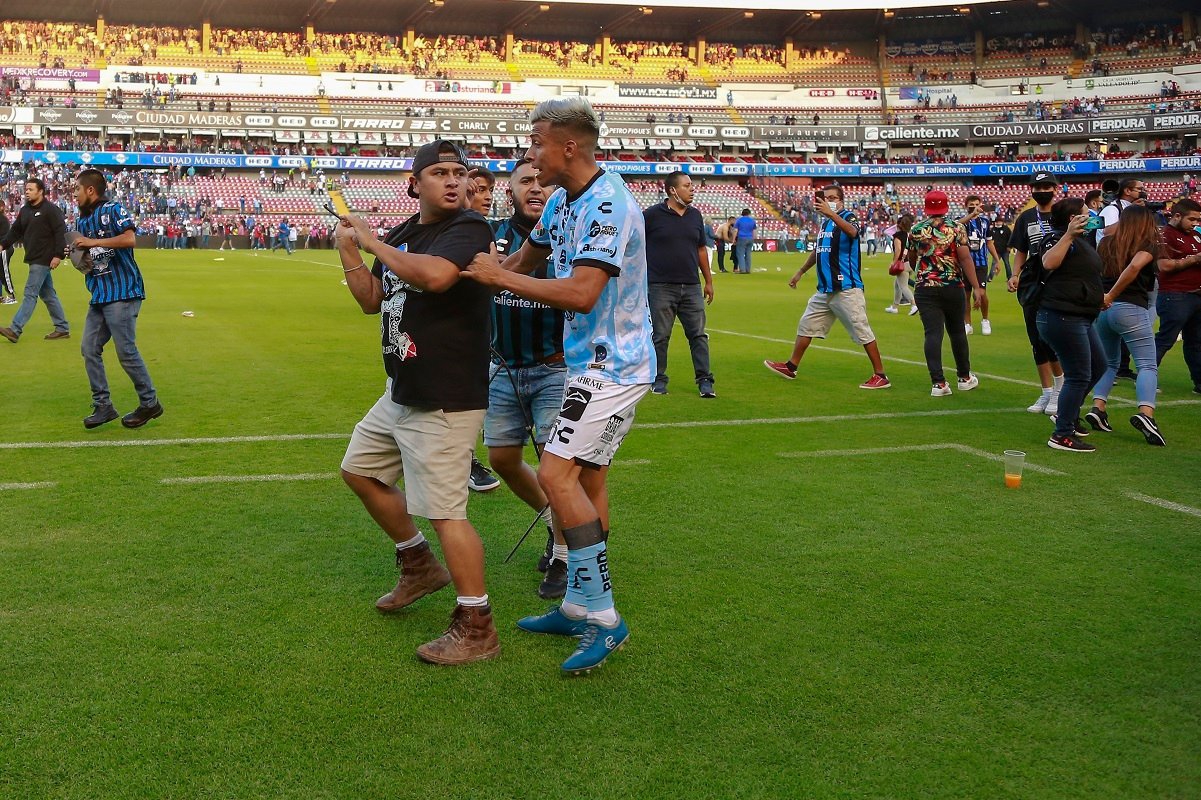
[1043,177]
[439,150]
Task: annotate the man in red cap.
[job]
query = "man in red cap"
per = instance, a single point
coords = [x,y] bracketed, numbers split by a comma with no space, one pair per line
[942,261]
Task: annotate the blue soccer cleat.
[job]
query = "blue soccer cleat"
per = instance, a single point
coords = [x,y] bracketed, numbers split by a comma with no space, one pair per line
[596,644]
[554,622]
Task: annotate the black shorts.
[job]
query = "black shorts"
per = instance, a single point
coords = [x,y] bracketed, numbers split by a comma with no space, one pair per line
[981,278]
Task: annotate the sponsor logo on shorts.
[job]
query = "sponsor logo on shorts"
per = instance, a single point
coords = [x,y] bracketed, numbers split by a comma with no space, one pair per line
[575,402]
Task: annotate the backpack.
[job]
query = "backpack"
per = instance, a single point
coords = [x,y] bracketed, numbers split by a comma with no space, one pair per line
[1032,280]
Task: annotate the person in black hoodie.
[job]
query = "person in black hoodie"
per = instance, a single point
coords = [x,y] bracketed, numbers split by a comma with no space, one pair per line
[1071,299]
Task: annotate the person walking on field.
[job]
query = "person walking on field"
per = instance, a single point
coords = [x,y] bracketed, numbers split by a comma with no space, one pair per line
[744,231]
[42,229]
[839,290]
[942,262]
[675,251]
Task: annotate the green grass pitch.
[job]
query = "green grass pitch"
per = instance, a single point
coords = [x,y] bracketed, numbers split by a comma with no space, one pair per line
[890,624]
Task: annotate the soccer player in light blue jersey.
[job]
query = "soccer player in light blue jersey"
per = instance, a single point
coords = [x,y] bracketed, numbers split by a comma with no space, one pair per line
[592,230]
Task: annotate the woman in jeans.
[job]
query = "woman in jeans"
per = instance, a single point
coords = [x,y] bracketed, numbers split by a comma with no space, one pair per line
[1128,258]
[1068,306]
[939,253]
[901,293]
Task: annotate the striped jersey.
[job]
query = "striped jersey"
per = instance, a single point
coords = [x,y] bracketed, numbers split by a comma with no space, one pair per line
[979,232]
[838,265]
[115,274]
[524,332]
[602,227]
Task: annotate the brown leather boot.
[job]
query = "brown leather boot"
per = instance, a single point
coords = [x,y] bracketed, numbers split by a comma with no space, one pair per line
[420,574]
[470,637]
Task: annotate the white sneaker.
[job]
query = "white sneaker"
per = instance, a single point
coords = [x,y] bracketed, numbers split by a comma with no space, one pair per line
[986,327]
[1040,405]
[1052,405]
[967,385]
[913,309]
[968,329]
[940,390]
[890,309]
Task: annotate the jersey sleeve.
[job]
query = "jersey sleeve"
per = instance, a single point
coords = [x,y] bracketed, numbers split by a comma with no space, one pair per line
[120,220]
[602,237]
[540,235]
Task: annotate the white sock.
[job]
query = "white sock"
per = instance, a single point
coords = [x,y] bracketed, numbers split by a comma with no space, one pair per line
[608,617]
[545,515]
[574,610]
[1047,392]
[472,602]
[1058,383]
[558,552]
[407,543]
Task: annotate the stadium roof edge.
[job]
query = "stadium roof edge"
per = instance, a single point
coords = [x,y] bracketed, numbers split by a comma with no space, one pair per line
[781,5]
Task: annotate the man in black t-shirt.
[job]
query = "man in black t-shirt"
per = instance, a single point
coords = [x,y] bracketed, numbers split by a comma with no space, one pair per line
[1029,229]
[1000,236]
[435,333]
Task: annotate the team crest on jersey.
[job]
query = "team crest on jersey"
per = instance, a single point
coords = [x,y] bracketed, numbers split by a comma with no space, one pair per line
[104,219]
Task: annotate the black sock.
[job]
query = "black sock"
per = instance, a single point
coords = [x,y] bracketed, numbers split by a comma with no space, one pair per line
[791,366]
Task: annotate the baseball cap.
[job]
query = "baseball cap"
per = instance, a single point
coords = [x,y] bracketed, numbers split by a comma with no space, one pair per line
[80,258]
[435,152]
[936,203]
[1043,177]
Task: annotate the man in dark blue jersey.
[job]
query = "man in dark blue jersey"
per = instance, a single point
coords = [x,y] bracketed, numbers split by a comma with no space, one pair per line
[106,233]
[839,290]
[526,388]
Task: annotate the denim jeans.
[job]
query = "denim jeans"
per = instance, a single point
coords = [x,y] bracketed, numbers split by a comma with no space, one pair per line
[686,301]
[1075,340]
[941,307]
[40,284]
[1180,312]
[518,397]
[116,321]
[742,251]
[1126,322]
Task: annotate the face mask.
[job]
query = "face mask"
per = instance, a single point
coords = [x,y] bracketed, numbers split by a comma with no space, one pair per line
[1142,195]
[1197,228]
[1042,198]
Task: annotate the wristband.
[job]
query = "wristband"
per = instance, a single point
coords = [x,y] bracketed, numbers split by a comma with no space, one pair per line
[362,265]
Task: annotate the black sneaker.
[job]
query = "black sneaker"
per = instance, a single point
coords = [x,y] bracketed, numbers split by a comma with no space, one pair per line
[554,584]
[141,415]
[705,386]
[1147,427]
[547,554]
[1098,419]
[1078,428]
[1070,444]
[1126,374]
[481,479]
[99,416]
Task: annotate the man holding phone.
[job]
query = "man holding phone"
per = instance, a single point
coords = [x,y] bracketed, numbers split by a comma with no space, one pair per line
[980,244]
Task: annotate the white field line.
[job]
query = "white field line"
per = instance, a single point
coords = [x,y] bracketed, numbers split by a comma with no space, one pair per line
[915,448]
[717,423]
[1122,401]
[280,437]
[1168,504]
[5,487]
[300,476]
[300,437]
